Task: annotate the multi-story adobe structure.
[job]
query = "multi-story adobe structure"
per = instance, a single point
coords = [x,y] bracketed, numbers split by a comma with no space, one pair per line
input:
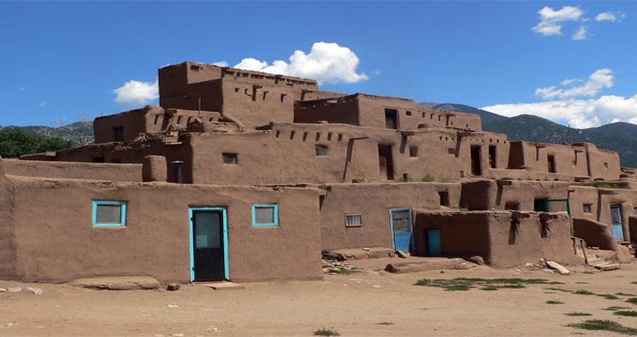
[249,176]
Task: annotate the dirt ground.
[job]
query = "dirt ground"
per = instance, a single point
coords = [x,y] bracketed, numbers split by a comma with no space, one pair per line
[366,303]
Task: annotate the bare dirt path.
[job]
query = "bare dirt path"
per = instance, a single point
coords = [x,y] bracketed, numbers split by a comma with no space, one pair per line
[366,303]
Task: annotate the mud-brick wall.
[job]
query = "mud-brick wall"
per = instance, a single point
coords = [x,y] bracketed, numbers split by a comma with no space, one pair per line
[373,202]
[8,254]
[56,241]
[73,170]
[513,194]
[498,237]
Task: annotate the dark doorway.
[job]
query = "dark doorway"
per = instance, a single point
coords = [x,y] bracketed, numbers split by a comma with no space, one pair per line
[208,244]
[492,156]
[385,161]
[391,119]
[551,163]
[476,164]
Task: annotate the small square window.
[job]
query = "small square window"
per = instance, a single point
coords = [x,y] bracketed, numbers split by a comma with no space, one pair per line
[107,213]
[587,208]
[265,215]
[229,158]
[451,150]
[353,220]
[413,151]
[408,113]
[320,150]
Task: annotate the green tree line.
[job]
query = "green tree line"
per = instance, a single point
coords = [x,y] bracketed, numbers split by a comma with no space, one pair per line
[15,142]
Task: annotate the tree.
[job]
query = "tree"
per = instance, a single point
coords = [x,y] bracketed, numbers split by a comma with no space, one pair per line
[15,142]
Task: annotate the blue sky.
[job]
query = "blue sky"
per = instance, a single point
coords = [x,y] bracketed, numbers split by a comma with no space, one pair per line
[571,62]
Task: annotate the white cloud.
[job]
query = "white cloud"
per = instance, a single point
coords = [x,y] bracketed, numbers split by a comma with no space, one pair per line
[599,80]
[137,93]
[579,114]
[220,64]
[43,104]
[580,34]
[610,16]
[326,63]
[551,20]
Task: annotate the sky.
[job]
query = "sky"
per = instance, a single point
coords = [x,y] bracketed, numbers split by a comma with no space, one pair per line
[573,62]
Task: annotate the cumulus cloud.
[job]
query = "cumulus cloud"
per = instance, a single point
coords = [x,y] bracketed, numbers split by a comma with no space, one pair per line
[137,93]
[580,114]
[599,80]
[610,16]
[551,20]
[326,63]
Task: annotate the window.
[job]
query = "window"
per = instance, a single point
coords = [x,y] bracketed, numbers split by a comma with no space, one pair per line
[408,113]
[320,150]
[265,215]
[413,151]
[451,150]
[229,158]
[118,134]
[107,213]
[587,208]
[353,220]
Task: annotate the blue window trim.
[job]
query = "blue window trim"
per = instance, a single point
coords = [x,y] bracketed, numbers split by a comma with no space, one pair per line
[97,203]
[276,215]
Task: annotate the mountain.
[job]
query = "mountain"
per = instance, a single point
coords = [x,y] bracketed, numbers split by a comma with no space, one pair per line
[80,133]
[484,115]
[620,137]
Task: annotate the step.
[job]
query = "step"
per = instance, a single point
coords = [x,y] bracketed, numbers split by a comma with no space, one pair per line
[606,266]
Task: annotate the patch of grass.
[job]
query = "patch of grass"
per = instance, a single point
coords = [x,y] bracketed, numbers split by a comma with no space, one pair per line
[427,178]
[590,272]
[630,313]
[345,271]
[326,332]
[633,282]
[465,283]
[583,292]
[613,308]
[578,313]
[489,288]
[608,296]
[385,323]
[556,282]
[581,282]
[560,289]
[624,294]
[606,325]
[554,302]
[632,300]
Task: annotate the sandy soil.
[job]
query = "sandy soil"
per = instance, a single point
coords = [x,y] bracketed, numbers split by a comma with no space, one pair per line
[352,304]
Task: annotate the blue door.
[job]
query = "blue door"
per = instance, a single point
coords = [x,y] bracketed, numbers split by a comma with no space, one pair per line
[208,244]
[616,221]
[401,229]
[434,242]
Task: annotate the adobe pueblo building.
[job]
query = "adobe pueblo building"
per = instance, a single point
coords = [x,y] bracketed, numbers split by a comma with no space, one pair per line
[248,176]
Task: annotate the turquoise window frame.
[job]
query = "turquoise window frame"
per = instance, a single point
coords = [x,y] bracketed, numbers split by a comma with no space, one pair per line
[276,215]
[123,206]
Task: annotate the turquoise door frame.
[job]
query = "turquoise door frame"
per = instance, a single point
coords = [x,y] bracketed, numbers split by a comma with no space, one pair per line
[401,232]
[226,259]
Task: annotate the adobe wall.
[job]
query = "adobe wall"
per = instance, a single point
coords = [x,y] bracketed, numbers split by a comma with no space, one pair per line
[343,110]
[311,95]
[131,123]
[512,194]
[155,240]
[502,239]
[599,201]
[568,161]
[373,202]
[73,170]
[8,253]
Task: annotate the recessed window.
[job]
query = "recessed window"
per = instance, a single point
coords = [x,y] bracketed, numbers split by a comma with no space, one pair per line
[408,113]
[587,208]
[451,150]
[229,158]
[109,213]
[353,220]
[320,150]
[118,134]
[265,215]
[413,151]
